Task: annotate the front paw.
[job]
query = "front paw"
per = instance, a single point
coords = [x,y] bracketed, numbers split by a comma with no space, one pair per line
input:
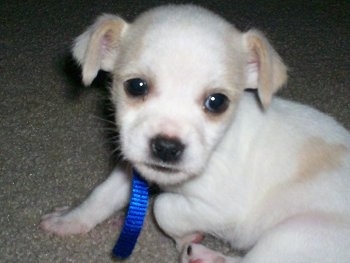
[64,222]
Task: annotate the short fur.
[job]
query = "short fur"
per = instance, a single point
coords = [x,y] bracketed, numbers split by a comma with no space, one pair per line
[267,175]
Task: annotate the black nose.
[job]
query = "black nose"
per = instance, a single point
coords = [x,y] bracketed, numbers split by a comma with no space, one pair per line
[166,149]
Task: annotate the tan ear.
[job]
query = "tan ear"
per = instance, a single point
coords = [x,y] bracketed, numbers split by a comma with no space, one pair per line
[97,47]
[265,70]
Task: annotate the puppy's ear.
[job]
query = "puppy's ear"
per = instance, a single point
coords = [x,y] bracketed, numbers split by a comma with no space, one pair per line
[97,47]
[265,70]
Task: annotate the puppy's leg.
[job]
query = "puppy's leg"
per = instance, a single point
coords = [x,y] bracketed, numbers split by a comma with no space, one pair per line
[302,239]
[311,237]
[182,218]
[108,197]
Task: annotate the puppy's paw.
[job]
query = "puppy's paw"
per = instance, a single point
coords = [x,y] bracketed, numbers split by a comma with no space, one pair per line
[64,222]
[195,253]
[183,242]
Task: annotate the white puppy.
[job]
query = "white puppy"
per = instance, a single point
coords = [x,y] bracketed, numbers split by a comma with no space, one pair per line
[267,175]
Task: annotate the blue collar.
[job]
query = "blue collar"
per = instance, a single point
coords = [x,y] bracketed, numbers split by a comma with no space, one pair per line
[134,218]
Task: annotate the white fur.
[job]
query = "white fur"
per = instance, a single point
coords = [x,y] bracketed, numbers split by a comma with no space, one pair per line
[267,175]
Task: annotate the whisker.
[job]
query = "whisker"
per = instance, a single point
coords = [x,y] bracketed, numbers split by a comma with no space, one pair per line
[104,120]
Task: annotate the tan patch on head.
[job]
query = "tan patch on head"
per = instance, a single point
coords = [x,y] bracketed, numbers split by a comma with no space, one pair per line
[317,156]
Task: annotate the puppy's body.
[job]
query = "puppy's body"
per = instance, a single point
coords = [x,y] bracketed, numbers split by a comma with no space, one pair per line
[239,198]
[265,174]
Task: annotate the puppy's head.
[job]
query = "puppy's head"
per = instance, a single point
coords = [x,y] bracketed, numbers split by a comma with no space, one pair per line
[178,74]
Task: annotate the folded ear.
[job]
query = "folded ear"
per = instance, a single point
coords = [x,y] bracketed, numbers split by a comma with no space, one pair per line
[97,47]
[265,70]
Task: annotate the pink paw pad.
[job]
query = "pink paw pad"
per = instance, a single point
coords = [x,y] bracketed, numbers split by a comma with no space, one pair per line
[195,253]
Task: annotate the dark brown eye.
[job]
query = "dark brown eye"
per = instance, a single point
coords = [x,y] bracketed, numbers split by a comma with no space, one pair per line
[136,87]
[216,103]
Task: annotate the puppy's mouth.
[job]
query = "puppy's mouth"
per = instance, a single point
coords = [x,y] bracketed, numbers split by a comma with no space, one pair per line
[163,174]
[162,168]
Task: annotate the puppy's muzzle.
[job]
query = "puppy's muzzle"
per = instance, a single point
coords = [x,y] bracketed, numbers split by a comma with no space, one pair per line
[166,149]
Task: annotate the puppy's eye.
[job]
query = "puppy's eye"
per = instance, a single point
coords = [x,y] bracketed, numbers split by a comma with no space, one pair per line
[136,87]
[216,103]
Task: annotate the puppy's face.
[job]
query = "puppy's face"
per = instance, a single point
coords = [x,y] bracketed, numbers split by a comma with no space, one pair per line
[177,80]
[175,91]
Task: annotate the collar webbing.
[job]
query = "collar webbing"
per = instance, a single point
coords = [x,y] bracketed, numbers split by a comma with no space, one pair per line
[134,218]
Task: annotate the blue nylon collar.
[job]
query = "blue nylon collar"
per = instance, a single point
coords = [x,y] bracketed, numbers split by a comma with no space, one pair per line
[134,218]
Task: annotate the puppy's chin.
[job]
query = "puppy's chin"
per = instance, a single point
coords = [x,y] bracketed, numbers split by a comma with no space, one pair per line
[163,175]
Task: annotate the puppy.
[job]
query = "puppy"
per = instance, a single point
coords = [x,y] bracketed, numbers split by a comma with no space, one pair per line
[267,175]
